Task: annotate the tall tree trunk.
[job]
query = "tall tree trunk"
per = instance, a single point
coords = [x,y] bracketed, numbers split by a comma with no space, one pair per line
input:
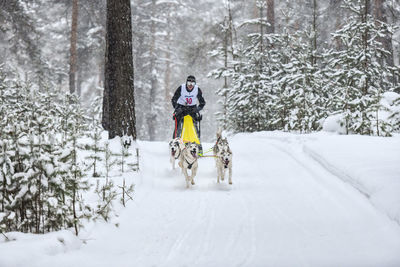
[271,16]
[314,29]
[151,116]
[364,19]
[73,53]
[119,100]
[79,82]
[381,15]
[167,80]
[335,12]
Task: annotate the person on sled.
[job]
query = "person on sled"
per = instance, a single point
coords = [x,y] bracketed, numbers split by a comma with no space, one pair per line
[184,102]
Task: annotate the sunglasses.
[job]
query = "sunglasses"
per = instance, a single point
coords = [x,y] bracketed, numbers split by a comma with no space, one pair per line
[190,83]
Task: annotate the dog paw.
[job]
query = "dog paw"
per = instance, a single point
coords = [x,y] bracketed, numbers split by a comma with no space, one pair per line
[193,182]
[230,182]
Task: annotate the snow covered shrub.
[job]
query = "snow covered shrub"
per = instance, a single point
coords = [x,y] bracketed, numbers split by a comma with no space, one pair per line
[358,78]
[334,124]
[391,100]
[42,175]
[94,133]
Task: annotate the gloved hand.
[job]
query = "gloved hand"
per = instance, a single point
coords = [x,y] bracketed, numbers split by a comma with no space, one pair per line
[198,109]
[178,111]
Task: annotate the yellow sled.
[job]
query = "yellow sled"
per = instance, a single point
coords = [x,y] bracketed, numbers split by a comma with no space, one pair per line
[188,131]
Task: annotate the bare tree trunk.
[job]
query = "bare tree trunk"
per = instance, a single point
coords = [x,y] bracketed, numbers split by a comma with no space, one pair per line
[119,100]
[73,53]
[168,72]
[78,83]
[365,35]
[151,117]
[314,29]
[271,16]
[168,65]
[380,15]
[334,11]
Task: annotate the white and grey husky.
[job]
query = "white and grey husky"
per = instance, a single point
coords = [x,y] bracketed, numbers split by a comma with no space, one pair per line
[223,157]
[175,149]
[188,161]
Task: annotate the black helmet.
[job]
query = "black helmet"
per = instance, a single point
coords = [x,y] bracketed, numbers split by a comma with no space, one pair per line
[191,78]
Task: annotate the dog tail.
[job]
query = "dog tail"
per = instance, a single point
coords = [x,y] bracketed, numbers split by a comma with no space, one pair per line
[219,133]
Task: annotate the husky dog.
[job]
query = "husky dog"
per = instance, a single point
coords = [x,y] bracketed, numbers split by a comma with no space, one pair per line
[223,157]
[126,141]
[175,149]
[188,161]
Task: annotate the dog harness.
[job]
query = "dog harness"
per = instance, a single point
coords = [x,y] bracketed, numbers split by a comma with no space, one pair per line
[225,162]
[190,164]
[178,154]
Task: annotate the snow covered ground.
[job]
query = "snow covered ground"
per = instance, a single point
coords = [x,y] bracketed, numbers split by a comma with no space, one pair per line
[296,200]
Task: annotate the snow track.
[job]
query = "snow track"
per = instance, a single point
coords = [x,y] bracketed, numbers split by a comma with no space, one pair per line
[283,209]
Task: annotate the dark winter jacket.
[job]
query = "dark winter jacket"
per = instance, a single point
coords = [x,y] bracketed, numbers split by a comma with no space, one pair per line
[177,94]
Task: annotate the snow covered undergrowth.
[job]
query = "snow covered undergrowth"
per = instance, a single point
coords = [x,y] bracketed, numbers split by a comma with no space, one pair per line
[292,203]
[20,249]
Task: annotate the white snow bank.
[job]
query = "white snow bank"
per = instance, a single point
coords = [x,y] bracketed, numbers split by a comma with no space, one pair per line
[332,124]
[371,164]
[21,248]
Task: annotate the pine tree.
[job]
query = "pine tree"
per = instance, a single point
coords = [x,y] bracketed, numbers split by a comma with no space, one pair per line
[6,185]
[395,115]
[123,155]
[72,169]
[41,176]
[356,90]
[249,95]
[107,194]
[109,160]
[94,134]
[225,53]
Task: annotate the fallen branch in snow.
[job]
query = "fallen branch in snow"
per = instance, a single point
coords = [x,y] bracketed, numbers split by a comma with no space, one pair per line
[84,240]
[7,239]
[126,191]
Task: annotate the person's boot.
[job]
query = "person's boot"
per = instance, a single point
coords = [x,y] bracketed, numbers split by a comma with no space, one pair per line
[200,150]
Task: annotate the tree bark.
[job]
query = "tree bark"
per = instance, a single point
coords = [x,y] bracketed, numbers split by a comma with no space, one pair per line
[334,11]
[73,53]
[271,16]
[151,117]
[380,15]
[119,101]
[314,36]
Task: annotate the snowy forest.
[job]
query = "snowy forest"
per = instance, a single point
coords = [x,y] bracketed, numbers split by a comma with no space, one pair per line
[303,95]
[262,66]
[289,64]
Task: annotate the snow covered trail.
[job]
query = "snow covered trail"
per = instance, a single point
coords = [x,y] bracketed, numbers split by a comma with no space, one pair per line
[283,209]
